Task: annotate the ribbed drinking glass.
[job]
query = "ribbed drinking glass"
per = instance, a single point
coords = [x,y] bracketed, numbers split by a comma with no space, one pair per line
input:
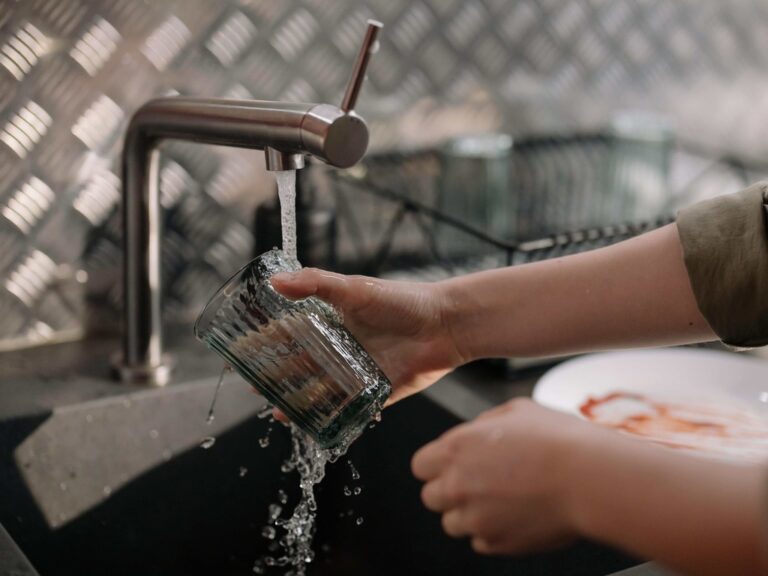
[296,353]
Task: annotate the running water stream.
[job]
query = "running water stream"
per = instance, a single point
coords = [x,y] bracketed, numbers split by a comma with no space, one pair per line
[294,534]
[286,192]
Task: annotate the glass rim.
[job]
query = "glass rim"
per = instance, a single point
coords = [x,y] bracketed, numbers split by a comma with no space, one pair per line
[208,312]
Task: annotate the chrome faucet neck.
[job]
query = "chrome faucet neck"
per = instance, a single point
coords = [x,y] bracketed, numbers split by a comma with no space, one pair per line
[285,131]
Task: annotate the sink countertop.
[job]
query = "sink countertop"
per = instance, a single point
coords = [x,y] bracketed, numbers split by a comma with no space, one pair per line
[39,380]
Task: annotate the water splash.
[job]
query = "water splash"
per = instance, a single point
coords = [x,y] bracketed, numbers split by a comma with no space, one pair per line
[207,442]
[353,470]
[210,416]
[274,512]
[309,460]
[265,412]
[264,441]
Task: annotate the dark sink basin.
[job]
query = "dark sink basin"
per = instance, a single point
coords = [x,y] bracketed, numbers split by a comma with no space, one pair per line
[120,485]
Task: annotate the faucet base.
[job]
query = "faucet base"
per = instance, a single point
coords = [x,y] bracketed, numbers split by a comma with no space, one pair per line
[148,375]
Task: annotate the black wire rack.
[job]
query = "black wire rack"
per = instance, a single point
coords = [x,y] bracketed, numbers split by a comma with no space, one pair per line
[571,194]
[393,215]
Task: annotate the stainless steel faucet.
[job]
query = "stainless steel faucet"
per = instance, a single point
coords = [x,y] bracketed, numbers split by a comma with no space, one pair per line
[285,131]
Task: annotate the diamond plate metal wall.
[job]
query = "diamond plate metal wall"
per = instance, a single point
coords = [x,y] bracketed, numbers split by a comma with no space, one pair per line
[73,71]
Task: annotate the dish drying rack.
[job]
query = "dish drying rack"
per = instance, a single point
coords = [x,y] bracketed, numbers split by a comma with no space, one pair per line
[572,193]
[393,218]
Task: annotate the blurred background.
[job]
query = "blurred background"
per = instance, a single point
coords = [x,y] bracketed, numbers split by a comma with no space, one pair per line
[497,127]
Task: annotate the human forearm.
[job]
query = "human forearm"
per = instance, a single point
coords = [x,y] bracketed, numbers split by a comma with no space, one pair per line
[697,516]
[635,293]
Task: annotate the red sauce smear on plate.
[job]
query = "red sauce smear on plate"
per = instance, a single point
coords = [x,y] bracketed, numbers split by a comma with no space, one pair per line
[715,429]
[662,417]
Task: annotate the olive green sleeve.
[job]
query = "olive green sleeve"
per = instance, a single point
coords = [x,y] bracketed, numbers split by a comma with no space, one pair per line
[725,246]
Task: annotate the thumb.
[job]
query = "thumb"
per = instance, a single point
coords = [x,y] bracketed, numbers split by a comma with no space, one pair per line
[331,287]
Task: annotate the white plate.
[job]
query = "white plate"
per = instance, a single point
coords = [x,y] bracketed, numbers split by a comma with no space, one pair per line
[704,400]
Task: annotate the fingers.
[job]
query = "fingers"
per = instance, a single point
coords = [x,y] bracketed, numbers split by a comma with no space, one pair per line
[441,494]
[329,286]
[506,408]
[454,523]
[481,546]
[430,460]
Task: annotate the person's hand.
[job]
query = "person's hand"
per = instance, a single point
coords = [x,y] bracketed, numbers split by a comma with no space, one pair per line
[400,324]
[499,479]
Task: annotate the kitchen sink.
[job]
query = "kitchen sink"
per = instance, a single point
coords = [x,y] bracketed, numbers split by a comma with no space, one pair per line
[102,479]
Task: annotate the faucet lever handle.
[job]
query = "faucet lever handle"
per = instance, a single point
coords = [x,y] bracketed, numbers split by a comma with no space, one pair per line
[369,47]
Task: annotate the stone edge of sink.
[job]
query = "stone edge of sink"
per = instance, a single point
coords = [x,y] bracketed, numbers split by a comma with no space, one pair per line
[13,562]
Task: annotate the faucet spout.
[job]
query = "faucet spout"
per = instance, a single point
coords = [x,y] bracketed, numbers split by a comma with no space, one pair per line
[320,130]
[285,131]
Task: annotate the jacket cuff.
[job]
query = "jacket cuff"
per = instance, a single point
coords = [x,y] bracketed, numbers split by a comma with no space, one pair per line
[725,247]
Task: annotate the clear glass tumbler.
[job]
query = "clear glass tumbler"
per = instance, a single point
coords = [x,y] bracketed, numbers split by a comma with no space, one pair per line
[296,353]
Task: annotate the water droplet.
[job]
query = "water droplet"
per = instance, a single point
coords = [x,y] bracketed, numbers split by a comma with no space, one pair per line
[269,532]
[359,520]
[347,491]
[243,471]
[258,567]
[89,418]
[63,486]
[127,403]
[377,417]
[210,416]
[357,490]
[154,434]
[167,455]
[274,511]
[282,496]
[355,473]
[264,442]
[207,442]
[269,561]
[107,490]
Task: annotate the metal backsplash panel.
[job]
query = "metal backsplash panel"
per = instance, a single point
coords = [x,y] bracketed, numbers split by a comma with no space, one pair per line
[73,71]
